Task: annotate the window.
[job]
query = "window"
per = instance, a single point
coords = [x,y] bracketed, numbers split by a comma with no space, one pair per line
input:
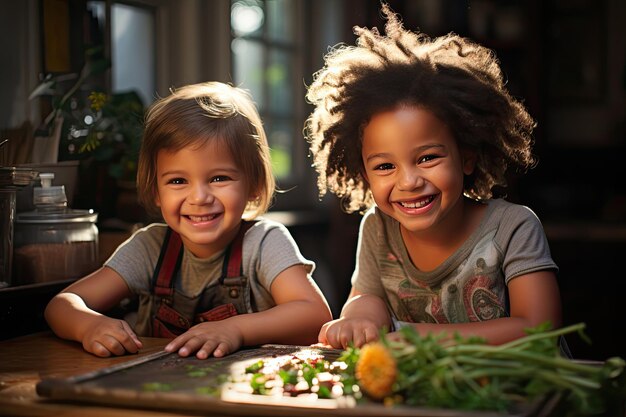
[266,48]
[132,44]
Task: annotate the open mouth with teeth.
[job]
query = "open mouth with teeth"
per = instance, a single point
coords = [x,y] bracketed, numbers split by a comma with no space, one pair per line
[199,219]
[416,204]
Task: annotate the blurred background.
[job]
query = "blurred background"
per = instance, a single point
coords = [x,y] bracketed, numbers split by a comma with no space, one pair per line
[76,76]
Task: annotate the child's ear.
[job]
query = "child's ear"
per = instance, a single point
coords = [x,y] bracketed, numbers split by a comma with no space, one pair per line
[470,156]
[254,195]
[157,200]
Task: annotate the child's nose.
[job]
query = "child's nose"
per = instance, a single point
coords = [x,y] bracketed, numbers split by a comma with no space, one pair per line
[410,179]
[200,194]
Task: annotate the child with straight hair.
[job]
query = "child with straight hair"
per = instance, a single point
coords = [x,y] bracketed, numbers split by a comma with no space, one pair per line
[417,132]
[214,277]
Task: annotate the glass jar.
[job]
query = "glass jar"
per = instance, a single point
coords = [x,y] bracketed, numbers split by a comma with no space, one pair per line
[54,246]
[7,218]
[12,179]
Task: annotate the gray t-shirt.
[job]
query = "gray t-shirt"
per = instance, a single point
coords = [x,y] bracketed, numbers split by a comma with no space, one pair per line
[268,249]
[468,286]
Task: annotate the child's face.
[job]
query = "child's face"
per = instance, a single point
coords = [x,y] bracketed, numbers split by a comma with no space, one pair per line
[202,195]
[414,168]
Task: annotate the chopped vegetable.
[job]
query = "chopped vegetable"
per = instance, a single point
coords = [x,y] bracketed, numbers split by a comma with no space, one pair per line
[157,386]
[306,373]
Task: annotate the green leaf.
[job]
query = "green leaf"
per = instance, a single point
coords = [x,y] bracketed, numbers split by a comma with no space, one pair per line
[255,367]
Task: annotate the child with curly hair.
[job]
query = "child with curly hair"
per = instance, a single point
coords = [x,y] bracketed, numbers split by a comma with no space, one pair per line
[214,276]
[416,133]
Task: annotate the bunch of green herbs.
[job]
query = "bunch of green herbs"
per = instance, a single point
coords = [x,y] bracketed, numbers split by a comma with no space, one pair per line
[468,374]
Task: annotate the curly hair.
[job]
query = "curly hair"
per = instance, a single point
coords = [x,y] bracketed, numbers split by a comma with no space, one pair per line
[196,114]
[458,80]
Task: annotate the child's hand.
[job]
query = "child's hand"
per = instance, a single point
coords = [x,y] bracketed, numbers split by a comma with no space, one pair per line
[341,332]
[215,337]
[110,337]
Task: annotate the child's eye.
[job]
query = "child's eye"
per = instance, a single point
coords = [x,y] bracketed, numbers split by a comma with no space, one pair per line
[384,167]
[427,158]
[220,178]
[176,181]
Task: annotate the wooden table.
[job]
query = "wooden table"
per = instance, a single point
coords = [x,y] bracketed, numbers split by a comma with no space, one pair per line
[27,360]
[24,361]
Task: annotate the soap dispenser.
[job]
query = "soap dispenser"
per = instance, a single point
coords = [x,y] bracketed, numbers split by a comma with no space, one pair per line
[49,197]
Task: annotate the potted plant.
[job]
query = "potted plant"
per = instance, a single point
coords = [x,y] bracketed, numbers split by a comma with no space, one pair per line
[103,131]
[108,130]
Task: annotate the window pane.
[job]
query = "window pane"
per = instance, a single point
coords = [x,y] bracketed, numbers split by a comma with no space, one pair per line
[279,26]
[247,18]
[98,13]
[264,54]
[248,67]
[278,76]
[132,51]
[280,136]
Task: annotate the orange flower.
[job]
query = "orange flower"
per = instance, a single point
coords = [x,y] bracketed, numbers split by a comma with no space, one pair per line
[376,370]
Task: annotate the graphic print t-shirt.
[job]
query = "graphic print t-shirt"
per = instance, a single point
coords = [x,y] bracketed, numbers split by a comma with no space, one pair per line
[471,285]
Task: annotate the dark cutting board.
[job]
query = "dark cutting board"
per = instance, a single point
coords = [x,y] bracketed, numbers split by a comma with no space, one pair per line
[166,381]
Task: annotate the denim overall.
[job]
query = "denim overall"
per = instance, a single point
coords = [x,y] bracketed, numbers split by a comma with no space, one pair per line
[226,297]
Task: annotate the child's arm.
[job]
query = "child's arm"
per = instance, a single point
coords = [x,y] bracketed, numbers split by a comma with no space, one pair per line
[534,299]
[74,314]
[297,317]
[361,319]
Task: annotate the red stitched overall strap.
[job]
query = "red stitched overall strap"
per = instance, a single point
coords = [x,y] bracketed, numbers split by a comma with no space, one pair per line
[235,251]
[167,322]
[168,264]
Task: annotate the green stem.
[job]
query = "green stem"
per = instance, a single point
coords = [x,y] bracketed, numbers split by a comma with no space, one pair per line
[528,357]
[500,363]
[543,335]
